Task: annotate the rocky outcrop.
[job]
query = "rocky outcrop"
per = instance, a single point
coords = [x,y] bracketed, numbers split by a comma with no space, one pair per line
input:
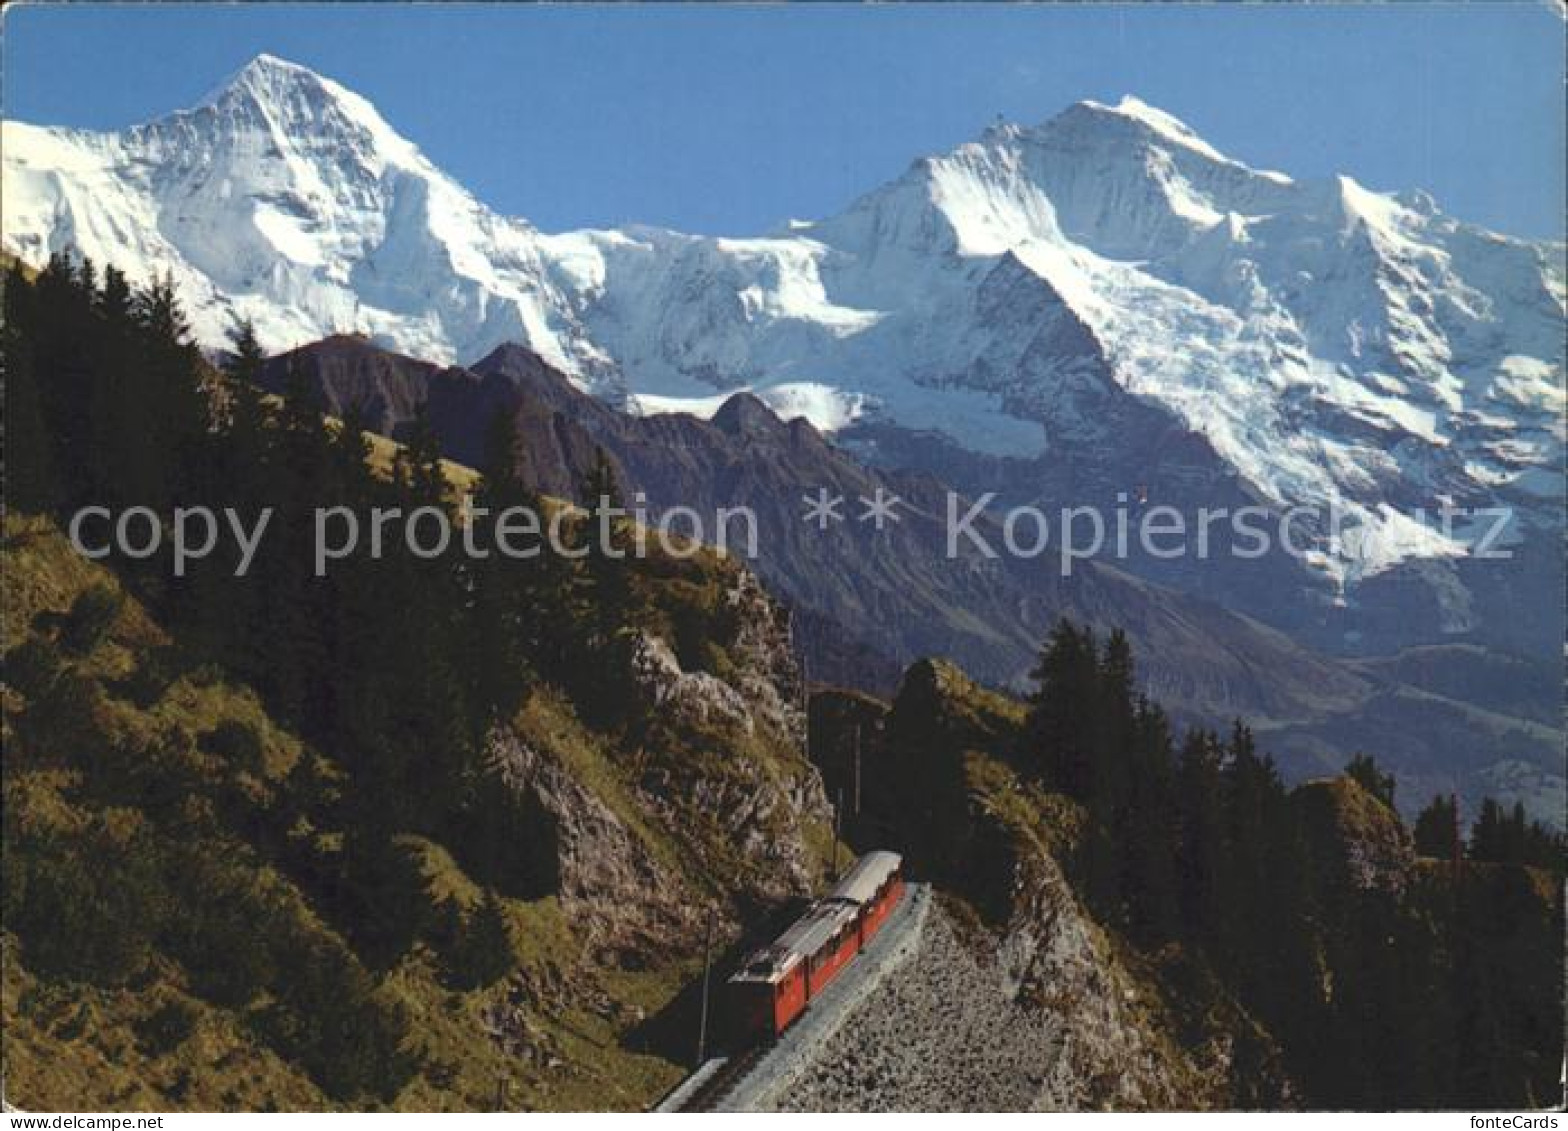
[1119,1047]
[1045,1014]
[618,895]
[1354,837]
[721,769]
[1072,1017]
[689,698]
[769,675]
[724,768]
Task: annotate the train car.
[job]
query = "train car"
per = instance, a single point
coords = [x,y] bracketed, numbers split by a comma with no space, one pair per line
[774,985]
[875,885]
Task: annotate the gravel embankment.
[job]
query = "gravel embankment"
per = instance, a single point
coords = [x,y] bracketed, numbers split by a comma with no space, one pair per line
[943,1034]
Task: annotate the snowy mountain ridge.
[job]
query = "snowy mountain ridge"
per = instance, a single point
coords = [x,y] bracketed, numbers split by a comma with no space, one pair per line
[1333,346]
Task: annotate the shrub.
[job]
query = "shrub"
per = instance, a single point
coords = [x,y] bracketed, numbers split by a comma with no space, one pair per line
[33,666]
[329,1018]
[93,611]
[225,941]
[165,1028]
[87,911]
[237,743]
[484,952]
[150,679]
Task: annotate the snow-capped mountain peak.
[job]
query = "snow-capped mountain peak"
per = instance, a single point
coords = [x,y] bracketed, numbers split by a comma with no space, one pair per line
[1019,295]
[290,102]
[264,76]
[286,198]
[1167,127]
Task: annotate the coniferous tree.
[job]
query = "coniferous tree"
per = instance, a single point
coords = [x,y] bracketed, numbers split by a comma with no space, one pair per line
[505,615]
[485,953]
[1508,836]
[290,631]
[244,423]
[1113,730]
[29,461]
[1150,829]
[1364,770]
[1058,722]
[1437,828]
[1202,836]
[607,582]
[172,394]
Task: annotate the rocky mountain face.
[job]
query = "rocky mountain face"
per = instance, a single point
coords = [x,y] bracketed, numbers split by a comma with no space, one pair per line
[607,847]
[1063,1009]
[1061,1012]
[894,591]
[866,603]
[1102,305]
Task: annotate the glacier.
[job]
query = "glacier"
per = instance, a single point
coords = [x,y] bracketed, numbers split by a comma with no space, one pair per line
[1334,347]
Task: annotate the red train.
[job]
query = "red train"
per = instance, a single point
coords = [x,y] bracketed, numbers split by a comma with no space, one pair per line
[774,985]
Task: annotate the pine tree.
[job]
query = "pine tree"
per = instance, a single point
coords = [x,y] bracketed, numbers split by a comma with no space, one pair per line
[1364,770]
[1437,828]
[1150,831]
[114,301]
[418,468]
[1059,731]
[1490,835]
[486,952]
[246,419]
[1202,836]
[29,461]
[290,632]
[608,593]
[172,394]
[1115,721]
[504,613]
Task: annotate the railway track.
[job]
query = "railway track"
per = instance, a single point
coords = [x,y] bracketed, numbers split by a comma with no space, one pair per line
[755,1075]
[722,1083]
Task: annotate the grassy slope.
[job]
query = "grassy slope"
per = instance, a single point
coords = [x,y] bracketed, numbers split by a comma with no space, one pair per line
[73,1045]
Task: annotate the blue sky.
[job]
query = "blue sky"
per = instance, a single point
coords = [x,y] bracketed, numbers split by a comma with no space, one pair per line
[733,119]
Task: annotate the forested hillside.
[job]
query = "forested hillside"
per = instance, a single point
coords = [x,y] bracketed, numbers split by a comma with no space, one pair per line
[418,833]
[1381,970]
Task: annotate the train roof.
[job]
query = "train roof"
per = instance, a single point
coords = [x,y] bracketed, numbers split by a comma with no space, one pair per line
[870,872]
[804,938]
[816,927]
[821,921]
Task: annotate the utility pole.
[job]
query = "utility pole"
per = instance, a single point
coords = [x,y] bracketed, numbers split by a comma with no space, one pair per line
[838,812]
[707,966]
[805,691]
[857,773]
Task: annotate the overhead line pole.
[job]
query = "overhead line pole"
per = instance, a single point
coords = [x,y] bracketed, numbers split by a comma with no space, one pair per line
[707,967]
[857,771]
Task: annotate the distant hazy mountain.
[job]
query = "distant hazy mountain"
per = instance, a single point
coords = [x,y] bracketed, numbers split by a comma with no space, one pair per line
[865,604]
[1062,313]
